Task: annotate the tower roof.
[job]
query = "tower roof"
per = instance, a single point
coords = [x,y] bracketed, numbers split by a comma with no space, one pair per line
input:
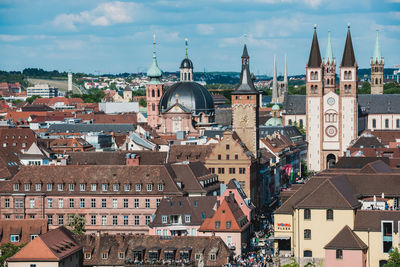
[154,71]
[186,62]
[245,53]
[314,61]
[246,85]
[348,59]
[329,52]
[377,51]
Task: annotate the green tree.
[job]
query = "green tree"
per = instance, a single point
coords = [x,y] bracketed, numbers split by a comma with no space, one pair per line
[76,224]
[32,98]
[304,169]
[112,86]
[8,250]
[365,89]
[142,102]
[394,258]
[293,263]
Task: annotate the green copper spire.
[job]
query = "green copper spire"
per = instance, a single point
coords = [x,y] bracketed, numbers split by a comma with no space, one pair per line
[186,44]
[329,52]
[377,51]
[154,71]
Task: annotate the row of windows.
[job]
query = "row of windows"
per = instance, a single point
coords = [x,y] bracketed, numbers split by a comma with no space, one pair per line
[376,81]
[13,137]
[347,75]
[175,219]
[329,214]
[347,88]
[19,203]
[153,93]
[5,144]
[101,219]
[218,224]
[243,97]
[93,187]
[386,123]
[300,122]
[314,75]
[227,156]
[231,170]
[330,81]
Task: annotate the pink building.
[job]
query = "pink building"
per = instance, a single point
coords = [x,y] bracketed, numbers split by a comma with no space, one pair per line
[113,199]
[346,249]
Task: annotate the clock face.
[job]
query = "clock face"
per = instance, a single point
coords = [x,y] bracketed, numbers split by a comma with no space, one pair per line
[331,131]
[331,101]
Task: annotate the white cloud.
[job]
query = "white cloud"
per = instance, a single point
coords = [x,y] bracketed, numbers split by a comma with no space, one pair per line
[11,38]
[205,29]
[105,14]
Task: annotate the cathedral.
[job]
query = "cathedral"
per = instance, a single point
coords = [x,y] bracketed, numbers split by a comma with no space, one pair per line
[333,118]
[186,106]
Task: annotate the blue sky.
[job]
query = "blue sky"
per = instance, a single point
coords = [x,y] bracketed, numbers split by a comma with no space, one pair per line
[116,36]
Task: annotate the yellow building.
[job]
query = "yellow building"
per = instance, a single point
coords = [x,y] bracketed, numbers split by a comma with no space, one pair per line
[311,225]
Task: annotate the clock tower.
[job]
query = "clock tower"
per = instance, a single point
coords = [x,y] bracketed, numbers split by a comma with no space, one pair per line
[245,107]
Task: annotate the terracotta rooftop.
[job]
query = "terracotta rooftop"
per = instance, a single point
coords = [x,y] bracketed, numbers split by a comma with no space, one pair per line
[346,239]
[23,228]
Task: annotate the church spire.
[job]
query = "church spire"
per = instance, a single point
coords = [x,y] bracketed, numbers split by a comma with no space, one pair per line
[329,53]
[285,79]
[154,71]
[246,85]
[274,84]
[377,51]
[314,61]
[186,47]
[348,59]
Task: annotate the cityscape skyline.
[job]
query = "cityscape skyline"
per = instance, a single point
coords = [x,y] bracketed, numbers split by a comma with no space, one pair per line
[115,37]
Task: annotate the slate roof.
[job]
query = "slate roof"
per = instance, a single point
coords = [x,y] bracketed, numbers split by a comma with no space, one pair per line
[367,141]
[19,136]
[198,208]
[86,128]
[179,153]
[314,60]
[379,104]
[9,163]
[348,59]
[386,136]
[371,220]
[295,105]
[356,162]
[223,116]
[346,239]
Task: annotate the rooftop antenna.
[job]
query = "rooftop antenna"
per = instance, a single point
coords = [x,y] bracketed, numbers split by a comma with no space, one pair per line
[186,44]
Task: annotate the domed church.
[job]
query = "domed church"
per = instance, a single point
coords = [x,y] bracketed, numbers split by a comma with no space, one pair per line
[185,106]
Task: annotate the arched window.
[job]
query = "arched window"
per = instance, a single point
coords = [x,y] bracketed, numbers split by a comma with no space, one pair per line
[373,123]
[307,233]
[185,75]
[152,93]
[380,80]
[316,75]
[332,81]
[349,87]
[327,81]
[158,93]
[345,75]
[301,123]
[290,122]
[307,214]
[398,123]
[312,89]
[153,107]
[189,76]
[349,73]
[376,81]
[329,214]
[386,123]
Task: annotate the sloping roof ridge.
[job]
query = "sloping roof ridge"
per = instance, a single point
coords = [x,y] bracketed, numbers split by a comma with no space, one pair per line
[337,190]
[310,194]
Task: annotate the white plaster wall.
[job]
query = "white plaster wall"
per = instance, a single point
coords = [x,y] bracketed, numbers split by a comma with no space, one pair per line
[349,115]
[313,133]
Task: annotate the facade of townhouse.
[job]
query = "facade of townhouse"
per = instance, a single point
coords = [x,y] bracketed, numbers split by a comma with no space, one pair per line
[113,199]
[230,159]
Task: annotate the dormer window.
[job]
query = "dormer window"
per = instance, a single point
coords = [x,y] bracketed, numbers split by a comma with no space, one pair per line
[71,187]
[16,187]
[149,187]
[116,187]
[138,187]
[127,187]
[104,255]
[49,187]
[27,187]
[160,187]
[104,187]
[88,256]
[121,255]
[60,187]
[93,187]
[14,238]
[82,187]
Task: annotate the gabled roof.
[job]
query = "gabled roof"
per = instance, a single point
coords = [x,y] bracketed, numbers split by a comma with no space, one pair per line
[314,61]
[370,220]
[377,166]
[346,239]
[348,59]
[327,195]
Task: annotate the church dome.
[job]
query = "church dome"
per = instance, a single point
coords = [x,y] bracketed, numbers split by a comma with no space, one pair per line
[190,95]
[186,64]
[276,107]
[274,122]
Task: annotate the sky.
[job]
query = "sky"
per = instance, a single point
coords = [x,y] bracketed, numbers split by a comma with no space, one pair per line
[96,36]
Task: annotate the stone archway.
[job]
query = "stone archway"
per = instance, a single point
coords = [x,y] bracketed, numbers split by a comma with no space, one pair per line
[330,161]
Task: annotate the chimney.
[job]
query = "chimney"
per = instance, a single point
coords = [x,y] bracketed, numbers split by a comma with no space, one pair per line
[132,159]
[383,195]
